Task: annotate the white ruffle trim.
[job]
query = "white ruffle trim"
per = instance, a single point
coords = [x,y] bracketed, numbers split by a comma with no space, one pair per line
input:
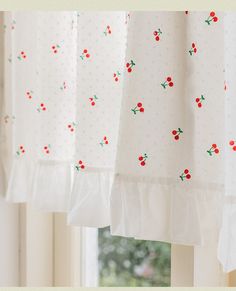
[227,239]
[90,198]
[158,209]
[51,186]
[163,210]
[46,185]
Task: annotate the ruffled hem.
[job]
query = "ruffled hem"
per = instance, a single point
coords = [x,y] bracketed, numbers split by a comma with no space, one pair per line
[20,180]
[46,185]
[227,238]
[163,210]
[158,209]
[90,198]
[50,186]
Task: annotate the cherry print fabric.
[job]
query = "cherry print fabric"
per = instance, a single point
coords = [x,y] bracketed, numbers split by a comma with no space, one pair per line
[124,119]
[67,76]
[100,73]
[41,171]
[163,190]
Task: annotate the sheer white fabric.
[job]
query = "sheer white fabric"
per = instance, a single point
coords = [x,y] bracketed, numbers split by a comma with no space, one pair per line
[125,119]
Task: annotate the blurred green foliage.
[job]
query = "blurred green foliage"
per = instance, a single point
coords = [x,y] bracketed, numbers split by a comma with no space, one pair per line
[126,262]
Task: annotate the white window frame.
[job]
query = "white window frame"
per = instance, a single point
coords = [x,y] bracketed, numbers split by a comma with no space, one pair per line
[39,249]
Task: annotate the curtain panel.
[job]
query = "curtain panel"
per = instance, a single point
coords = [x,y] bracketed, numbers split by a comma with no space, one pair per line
[124,119]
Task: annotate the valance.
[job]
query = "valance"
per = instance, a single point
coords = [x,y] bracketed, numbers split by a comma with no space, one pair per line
[124,119]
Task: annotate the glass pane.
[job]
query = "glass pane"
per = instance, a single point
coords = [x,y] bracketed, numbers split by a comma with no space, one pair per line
[132,263]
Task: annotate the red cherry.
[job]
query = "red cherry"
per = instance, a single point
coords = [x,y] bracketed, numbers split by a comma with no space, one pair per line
[231,142]
[197,100]
[116,79]
[69,126]
[141,109]
[174,132]
[106,142]
[55,51]
[28,93]
[142,163]
[199,104]
[21,147]
[80,162]
[22,53]
[41,104]
[212,13]
[171,84]
[23,151]
[188,176]
[186,171]
[45,147]
[105,138]
[53,47]
[140,158]
[177,137]
[24,56]
[82,167]
[168,79]
[193,45]
[44,108]
[87,55]
[127,65]
[195,50]
[129,70]
[72,129]
[155,32]
[93,103]
[214,146]
[30,96]
[85,51]
[47,152]
[234,148]
[108,27]
[109,31]
[216,151]
[215,19]
[139,104]
[157,38]
[114,75]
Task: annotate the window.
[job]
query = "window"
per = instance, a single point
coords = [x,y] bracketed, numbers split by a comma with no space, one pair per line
[126,262]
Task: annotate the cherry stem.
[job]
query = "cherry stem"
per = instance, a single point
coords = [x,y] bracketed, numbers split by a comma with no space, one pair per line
[180,130]
[164,85]
[132,64]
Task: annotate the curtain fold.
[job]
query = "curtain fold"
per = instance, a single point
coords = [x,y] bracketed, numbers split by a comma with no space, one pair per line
[124,119]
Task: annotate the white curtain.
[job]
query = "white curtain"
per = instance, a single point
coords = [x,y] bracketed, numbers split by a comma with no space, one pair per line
[125,119]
